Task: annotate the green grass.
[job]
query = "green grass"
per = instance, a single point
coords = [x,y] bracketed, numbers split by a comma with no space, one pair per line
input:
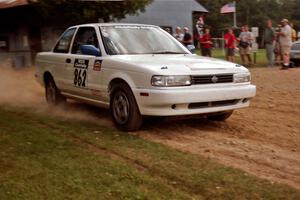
[261,60]
[46,158]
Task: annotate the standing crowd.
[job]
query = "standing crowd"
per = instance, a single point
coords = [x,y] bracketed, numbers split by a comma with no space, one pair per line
[243,42]
[278,42]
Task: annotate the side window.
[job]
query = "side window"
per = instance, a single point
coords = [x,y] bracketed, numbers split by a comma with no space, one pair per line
[85,36]
[64,43]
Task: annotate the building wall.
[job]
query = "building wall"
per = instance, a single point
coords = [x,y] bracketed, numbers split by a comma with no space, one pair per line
[168,13]
[17,51]
[50,36]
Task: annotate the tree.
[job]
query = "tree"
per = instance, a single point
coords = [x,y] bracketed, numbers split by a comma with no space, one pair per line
[79,11]
[296,14]
[251,12]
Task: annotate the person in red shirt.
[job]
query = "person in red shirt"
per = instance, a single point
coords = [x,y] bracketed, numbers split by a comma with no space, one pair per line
[206,43]
[230,40]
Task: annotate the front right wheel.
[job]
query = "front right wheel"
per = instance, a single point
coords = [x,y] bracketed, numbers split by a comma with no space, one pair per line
[124,109]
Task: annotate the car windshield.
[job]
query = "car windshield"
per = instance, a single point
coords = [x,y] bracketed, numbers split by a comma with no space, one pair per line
[120,40]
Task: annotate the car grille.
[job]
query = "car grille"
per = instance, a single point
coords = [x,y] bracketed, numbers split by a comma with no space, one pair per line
[211,79]
[213,104]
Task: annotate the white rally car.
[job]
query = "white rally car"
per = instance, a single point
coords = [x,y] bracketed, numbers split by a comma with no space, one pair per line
[140,70]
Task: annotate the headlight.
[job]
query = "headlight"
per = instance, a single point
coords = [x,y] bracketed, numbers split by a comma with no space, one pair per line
[241,78]
[170,81]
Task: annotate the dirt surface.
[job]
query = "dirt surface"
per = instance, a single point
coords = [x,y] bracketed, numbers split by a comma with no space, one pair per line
[263,140]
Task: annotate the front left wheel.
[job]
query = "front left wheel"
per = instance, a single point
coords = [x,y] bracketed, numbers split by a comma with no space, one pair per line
[124,109]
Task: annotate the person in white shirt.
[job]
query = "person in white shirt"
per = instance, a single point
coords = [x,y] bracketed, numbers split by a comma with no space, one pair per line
[245,41]
[178,34]
[285,40]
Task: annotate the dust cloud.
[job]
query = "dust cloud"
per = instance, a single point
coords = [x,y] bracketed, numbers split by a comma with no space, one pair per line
[19,89]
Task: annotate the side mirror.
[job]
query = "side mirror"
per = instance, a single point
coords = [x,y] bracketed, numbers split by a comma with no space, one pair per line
[90,50]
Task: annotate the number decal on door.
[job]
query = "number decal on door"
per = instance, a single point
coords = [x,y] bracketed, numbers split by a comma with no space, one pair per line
[80,72]
[80,77]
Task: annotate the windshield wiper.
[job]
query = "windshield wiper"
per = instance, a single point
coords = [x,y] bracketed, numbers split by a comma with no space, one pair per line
[168,52]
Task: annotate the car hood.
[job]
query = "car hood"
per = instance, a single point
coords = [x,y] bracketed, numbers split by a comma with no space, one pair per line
[179,64]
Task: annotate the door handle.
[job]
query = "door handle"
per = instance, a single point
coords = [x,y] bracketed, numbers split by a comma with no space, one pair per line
[68,60]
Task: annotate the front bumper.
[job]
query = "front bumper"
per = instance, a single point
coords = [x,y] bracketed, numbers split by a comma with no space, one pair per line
[193,100]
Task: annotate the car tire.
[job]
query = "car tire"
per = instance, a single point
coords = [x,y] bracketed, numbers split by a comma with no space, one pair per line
[221,116]
[124,109]
[52,93]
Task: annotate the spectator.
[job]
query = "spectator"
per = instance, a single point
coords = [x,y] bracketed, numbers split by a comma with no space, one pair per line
[245,41]
[168,30]
[206,43]
[277,50]
[230,40]
[269,38]
[187,37]
[285,40]
[188,40]
[294,33]
[200,26]
[196,38]
[178,34]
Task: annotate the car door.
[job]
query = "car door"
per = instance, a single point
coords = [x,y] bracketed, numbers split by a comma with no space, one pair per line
[59,60]
[85,64]
[295,52]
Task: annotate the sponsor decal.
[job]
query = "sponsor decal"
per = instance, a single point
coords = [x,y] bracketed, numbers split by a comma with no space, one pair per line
[97,65]
[81,63]
[80,72]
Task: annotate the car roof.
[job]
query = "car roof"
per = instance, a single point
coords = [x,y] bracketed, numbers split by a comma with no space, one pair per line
[113,24]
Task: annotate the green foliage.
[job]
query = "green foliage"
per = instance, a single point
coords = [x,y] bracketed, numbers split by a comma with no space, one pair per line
[259,57]
[75,12]
[296,13]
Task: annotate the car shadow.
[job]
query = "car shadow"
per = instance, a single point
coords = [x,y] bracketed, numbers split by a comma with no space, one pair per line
[182,123]
[102,117]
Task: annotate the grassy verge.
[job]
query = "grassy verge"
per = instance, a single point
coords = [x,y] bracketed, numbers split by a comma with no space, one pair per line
[261,60]
[47,158]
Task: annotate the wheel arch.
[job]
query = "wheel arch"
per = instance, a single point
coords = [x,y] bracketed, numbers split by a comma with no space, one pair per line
[118,78]
[116,81]
[47,76]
